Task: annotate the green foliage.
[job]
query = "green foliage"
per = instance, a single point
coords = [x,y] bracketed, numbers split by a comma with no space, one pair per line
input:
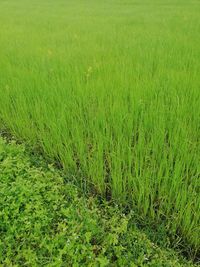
[110,90]
[45,221]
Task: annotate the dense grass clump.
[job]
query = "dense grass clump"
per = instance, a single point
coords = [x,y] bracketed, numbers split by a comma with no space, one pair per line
[111,91]
[44,221]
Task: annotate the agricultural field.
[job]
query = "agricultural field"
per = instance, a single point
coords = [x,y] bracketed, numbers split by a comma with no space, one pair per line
[108,91]
[46,222]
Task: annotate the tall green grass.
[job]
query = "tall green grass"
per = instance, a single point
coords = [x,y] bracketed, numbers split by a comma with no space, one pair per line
[111,90]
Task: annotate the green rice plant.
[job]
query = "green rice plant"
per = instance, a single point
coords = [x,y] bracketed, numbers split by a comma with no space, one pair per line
[46,221]
[111,91]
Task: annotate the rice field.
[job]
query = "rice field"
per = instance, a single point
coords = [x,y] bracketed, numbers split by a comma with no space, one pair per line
[110,90]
